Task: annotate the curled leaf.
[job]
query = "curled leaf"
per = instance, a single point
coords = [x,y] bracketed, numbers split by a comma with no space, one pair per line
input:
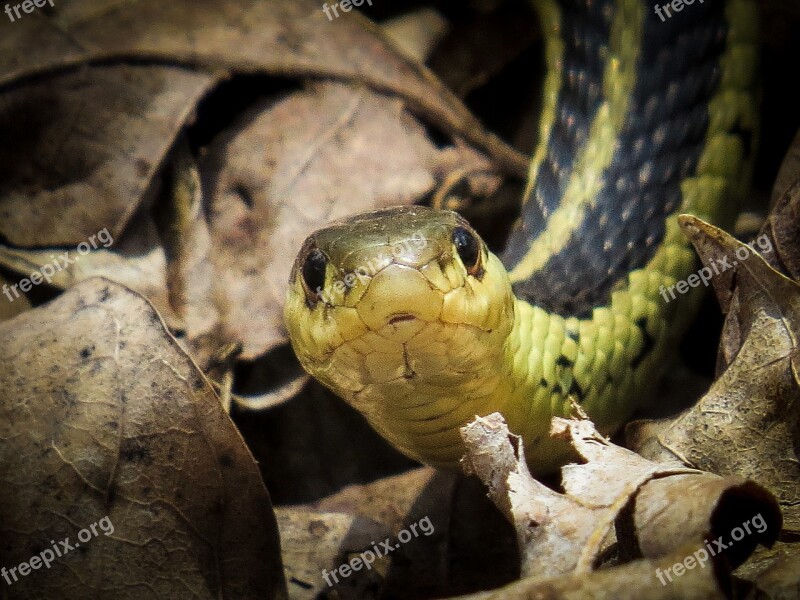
[614,493]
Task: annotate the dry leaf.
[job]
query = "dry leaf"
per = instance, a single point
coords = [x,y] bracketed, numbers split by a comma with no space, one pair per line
[87,145]
[317,543]
[137,261]
[614,490]
[187,242]
[461,544]
[748,423]
[10,306]
[104,416]
[416,33]
[779,579]
[631,581]
[783,223]
[789,171]
[260,36]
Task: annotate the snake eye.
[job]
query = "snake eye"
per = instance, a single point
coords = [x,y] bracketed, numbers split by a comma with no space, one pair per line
[314,271]
[468,248]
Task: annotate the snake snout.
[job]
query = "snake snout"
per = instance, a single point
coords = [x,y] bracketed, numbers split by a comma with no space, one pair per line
[398,296]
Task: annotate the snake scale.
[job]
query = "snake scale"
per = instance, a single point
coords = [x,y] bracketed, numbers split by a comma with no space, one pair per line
[407,315]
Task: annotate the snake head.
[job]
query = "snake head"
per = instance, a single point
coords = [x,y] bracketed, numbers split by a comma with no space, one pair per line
[400,303]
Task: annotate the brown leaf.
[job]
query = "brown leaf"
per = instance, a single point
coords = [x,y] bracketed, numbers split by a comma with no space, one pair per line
[416,33]
[631,581]
[390,499]
[267,36]
[137,261]
[169,265]
[187,243]
[10,305]
[461,542]
[775,574]
[748,423]
[783,223]
[549,543]
[87,145]
[103,415]
[317,543]
[789,171]
[682,509]
[322,536]
[560,533]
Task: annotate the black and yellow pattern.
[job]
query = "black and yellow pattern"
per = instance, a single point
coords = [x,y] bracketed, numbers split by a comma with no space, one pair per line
[642,120]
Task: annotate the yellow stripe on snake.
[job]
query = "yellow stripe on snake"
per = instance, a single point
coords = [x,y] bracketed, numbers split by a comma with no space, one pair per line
[406,315]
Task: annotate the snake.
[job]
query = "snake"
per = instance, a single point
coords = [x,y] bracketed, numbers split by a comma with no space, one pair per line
[647,113]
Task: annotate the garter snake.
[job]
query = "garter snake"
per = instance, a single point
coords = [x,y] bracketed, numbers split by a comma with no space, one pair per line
[406,315]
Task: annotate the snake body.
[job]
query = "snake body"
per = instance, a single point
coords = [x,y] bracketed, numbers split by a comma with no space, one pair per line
[405,313]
